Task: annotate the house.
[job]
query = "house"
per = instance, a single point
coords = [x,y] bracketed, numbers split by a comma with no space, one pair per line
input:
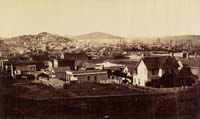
[24,70]
[86,76]
[18,68]
[153,67]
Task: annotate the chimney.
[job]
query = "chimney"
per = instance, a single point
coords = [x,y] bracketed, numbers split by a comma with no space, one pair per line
[62,56]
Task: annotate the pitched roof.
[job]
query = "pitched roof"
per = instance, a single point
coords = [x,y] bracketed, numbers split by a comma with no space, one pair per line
[108,65]
[156,62]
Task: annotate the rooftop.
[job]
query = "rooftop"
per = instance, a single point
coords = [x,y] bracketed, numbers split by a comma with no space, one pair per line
[156,62]
[61,69]
[88,71]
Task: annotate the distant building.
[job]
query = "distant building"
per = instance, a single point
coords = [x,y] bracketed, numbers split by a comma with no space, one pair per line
[19,69]
[115,71]
[60,72]
[40,57]
[15,69]
[153,67]
[108,65]
[76,56]
[67,63]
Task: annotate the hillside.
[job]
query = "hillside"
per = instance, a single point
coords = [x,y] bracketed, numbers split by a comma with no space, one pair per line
[43,37]
[36,42]
[182,39]
[96,35]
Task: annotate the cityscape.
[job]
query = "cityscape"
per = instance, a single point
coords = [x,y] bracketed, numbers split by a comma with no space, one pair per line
[99,59]
[47,67]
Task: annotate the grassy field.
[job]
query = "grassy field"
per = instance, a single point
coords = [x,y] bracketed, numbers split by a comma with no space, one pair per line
[77,89]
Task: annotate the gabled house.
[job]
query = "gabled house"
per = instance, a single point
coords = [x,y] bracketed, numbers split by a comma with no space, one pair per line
[153,67]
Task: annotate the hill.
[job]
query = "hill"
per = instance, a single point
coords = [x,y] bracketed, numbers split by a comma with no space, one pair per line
[182,39]
[38,41]
[97,35]
[43,37]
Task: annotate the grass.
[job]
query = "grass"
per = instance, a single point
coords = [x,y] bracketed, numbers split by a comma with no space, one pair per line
[77,89]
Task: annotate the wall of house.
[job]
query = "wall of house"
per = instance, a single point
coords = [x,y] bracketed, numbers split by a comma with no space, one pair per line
[99,77]
[60,75]
[152,75]
[142,74]
[196,71]
[28,68]
[64,63]
[55,63]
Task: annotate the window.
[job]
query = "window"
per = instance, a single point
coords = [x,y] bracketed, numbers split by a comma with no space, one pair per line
[95,78]
[88,78]
[113,77]
[153,72]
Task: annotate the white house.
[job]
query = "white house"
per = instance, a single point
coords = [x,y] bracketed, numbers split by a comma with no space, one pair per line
[153,67]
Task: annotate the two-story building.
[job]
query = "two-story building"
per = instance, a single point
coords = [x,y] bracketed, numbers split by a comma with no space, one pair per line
[153,67]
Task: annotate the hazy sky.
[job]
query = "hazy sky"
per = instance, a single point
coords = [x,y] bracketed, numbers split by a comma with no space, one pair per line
[120,17]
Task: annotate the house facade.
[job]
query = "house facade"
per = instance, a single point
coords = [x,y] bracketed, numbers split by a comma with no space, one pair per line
[86,76]
[153,67]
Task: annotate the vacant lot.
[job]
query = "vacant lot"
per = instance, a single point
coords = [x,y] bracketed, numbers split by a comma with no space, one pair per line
[77,89]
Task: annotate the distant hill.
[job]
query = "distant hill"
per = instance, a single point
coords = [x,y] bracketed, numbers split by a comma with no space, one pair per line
[97,35]
[43,37]
[38,41]
[182,37]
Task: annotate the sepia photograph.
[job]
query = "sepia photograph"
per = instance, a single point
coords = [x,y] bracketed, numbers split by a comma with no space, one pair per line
[100,59]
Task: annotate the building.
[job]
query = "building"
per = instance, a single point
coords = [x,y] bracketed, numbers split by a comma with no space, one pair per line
[76,56]
[67,63]
[153,67]
[86,76]
[115,71]
[19,68]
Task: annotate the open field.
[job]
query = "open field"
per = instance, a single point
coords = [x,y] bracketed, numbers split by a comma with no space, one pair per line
[73,90]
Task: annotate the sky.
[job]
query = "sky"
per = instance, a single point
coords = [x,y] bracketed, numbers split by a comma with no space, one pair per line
[127,18]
